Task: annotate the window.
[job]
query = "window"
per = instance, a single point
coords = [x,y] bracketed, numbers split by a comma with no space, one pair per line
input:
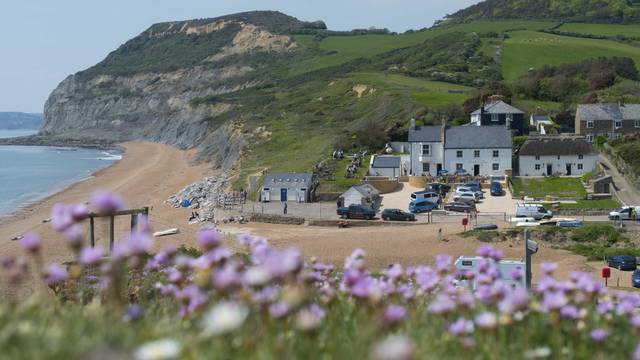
[618,124]
[558,157]
[537,157]
[636,123]
[580,156]
[426,150]
[579,166]
[538,166]
[425,168]
[589,124]
[459,167]
[459,153]
[496,166]
[476,153]
[617,136]
[590,137]
[495,117]
[496,153]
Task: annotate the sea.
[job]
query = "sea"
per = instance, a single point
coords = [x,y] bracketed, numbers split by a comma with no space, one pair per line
[31,173]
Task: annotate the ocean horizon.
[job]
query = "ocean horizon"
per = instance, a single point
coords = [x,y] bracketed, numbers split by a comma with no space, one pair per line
[29,174]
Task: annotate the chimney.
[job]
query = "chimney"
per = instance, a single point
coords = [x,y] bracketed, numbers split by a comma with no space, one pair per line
[443,129]
[413,124]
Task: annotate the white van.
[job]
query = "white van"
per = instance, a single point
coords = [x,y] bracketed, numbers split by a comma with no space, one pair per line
[536,211]
[506,268]
[624,213]
[428,195]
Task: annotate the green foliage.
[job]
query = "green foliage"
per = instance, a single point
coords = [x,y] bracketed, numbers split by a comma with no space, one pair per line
[591,233]
[586,177]
[627,149]
[189,251]
[600,141]
[553,186]
[605,11]
[608,30]
[518,141]
[600,252]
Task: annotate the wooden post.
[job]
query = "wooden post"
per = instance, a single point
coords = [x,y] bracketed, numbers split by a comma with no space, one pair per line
[92,234]
[111,232]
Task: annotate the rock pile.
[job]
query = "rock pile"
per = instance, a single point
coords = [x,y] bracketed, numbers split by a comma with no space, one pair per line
[205,195]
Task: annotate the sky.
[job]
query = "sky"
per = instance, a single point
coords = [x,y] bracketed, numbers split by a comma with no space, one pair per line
[44,41]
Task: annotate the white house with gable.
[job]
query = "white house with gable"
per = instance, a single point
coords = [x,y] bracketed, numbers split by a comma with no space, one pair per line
[426,149]
[565,155]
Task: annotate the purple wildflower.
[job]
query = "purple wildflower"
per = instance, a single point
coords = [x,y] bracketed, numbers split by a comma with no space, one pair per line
[635,321]
[61,217]
[78,212]
[548,268]
[461,326]
[517,274]
[394,271]
[486,320]
[278,310]
[107,202]
[55,274]
[134,312]
[554,300]
[441,305]
[569,312]
[74,236]
[30,243]
[394,314]
[599,335]
[484,250]
[91,255]
[209,239]
[443,263]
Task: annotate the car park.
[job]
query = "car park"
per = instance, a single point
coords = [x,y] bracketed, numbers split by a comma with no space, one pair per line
[465,196]
[622,262]
[625,213]
[422,206]
[496,189]
[635,279]
[464,189]
[460,207]
[397,215]
[536,211]
[426,195]
[473,185]
[441,189]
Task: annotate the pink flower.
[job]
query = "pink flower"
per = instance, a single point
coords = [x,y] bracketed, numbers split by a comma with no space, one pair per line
[107,202]
[30,243]
[74,236]
[278,310]
[461,326]
[394,314]
[599,335]
[55,274]
[486,320]
[548,268]
[209,239]
[91,256]
[61,217]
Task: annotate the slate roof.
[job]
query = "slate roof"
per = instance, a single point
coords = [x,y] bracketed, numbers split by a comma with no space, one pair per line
[592,112]
[288,179]
[556,145]
[386,162]
[425,134]
[499,107]
[478,137]
[366,190]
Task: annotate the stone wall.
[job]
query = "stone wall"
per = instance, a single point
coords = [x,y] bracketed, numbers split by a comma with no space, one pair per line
[418,181]
[383,185]
[276,219]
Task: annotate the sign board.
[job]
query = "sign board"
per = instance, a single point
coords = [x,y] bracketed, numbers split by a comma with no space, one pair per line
[465,221]
[606,272]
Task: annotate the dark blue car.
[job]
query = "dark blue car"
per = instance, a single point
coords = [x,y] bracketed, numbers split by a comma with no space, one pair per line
[422,206]
[635,279]
[496,189]
[622,262]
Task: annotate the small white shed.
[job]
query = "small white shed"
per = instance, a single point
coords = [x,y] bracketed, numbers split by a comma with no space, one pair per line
[287,187]
[387,166]
[364,194]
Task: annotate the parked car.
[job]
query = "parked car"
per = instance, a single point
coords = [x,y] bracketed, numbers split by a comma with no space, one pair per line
[496,189]
[473,185]
[464,189]
[624,213]
[427,195]
[422,206]
[441,189]
[466,197]
[535,211]
[397,215]
[460,207]
[357,212]
[635,279]
[622,262]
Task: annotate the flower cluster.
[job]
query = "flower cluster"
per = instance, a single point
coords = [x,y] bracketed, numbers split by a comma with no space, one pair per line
[222,289]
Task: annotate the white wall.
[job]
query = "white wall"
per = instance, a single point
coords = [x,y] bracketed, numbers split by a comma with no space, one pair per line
[486,161]
[437,153]
[352,196]
[292,193]
[528,163]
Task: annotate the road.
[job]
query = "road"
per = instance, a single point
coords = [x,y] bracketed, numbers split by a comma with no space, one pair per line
[626,193]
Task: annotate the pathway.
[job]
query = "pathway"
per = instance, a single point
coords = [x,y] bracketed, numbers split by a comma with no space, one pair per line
[626,193]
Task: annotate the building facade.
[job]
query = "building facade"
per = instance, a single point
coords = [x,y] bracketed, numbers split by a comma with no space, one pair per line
[609,120]
[479,151]
[287,187]
[496,112]
[559,155]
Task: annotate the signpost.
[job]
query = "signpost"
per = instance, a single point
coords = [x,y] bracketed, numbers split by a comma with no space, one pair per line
[530,248]
[606,274]
[465,222]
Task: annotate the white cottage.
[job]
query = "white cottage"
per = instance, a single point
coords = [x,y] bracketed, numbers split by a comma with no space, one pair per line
[565,155]
[287,187]
[427,149]
[478,150]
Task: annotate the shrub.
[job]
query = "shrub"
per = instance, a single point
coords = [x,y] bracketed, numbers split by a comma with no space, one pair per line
[595,232]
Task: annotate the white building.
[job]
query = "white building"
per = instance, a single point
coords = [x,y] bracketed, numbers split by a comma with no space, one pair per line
[386,166]
[540,121]
[565,155]
[478,150]
[363,194]
[287,187]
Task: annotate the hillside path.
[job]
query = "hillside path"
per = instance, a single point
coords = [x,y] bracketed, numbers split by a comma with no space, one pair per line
[626,193]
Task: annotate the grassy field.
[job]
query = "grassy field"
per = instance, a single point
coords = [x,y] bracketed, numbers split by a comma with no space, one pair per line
[528,49]
[601,29]
[592,204]
[341,184]
[346,48]
[570,188]
[532,105]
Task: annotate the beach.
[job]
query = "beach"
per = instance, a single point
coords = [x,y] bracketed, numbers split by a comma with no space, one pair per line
[146,176]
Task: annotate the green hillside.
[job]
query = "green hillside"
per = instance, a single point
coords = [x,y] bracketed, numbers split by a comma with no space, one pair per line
[611,30]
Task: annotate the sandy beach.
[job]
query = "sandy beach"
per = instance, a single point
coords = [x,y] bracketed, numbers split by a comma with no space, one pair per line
[146,176]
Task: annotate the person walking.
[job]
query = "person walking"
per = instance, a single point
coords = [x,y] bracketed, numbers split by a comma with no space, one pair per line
[285,208]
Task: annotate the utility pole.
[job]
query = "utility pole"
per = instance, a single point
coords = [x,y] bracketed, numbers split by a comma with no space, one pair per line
[530,248]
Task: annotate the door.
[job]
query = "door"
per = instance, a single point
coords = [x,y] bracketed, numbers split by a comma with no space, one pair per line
[476,170]
[438,169]
[549,169]
[283,194]
[568,169]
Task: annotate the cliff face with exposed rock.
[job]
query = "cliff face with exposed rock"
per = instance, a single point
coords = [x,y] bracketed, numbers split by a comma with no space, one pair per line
[146,88]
